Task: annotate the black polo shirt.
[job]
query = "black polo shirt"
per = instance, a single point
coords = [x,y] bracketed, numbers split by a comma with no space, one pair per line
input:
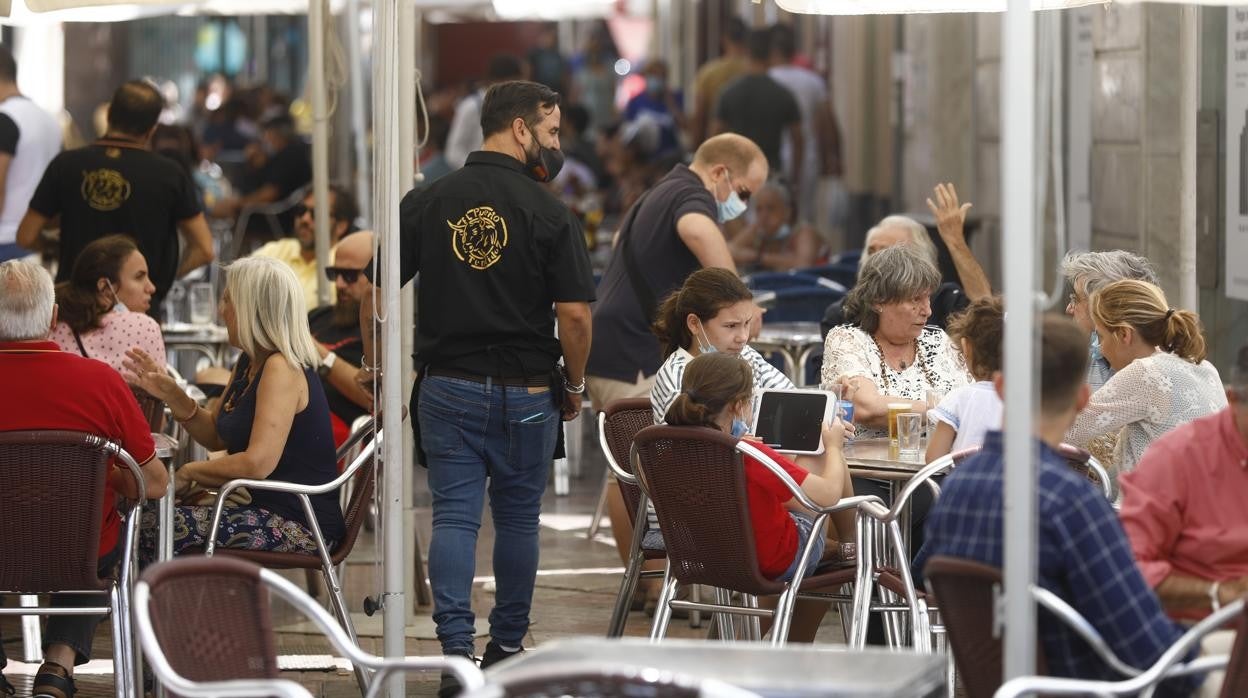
[623,342]
[118,187]
[346,341]
[495,250]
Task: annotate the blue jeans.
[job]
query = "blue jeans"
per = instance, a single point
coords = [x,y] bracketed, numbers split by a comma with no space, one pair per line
[473,433]
[805,525]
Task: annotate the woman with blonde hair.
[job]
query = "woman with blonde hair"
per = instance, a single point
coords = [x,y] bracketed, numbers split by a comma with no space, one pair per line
[1161,378]
[273,419]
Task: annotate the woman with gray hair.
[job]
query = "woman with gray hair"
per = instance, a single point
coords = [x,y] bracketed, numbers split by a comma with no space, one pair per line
[888,354]
[273,420]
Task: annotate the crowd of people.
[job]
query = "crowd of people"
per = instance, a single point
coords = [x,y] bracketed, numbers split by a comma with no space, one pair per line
[700,196]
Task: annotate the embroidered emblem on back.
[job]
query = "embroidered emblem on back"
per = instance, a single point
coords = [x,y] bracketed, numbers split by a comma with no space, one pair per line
[104,189]
[479,237]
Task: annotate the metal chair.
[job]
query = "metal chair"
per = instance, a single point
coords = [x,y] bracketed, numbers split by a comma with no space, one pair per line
[206,628]
[361,471]
[968,592]
[1170,664]
[776,280]
[696,479]
[585,678]
[1087,465]
[53,504]
[618,424]
[843,272]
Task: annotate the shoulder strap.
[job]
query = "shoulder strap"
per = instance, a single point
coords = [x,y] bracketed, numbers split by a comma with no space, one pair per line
[78,340]
[645,294]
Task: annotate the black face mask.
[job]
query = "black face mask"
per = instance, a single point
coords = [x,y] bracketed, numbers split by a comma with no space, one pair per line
[544,165]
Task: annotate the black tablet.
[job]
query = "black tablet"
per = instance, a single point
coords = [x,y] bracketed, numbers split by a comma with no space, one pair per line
[792,421]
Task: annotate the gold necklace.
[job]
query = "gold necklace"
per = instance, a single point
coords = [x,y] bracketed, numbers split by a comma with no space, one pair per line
[918,359]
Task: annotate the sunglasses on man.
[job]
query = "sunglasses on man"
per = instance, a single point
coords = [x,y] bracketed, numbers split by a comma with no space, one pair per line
[349,276]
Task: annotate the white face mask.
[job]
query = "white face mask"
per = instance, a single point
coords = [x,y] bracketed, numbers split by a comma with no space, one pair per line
[705,347]
[732,207]
[118,306]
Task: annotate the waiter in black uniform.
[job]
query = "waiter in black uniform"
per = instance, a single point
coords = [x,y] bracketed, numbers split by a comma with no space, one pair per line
[500,258]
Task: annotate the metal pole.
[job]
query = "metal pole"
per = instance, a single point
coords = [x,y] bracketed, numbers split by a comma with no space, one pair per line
[409,48]
[1189,82]
[386,191]
[1017,173]
[320,141]
[363,171]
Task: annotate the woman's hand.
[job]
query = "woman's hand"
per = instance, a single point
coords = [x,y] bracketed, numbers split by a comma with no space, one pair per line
[152,377]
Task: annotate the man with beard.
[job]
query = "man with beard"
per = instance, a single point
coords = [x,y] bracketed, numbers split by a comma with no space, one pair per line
[299,252]
[336,329]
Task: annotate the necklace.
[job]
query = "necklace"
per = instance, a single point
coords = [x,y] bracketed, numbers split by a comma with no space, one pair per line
[918,359]
[231,399]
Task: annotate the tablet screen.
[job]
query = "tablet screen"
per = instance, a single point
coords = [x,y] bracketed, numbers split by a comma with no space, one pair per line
[792,421]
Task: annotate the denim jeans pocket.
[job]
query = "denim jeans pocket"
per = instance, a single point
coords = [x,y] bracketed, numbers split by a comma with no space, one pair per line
[441,425]
[531,440]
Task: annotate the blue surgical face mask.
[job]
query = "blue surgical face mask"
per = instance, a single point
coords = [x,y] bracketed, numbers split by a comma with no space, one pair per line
[118,306]
[705,346]
[739,428]
[733,206]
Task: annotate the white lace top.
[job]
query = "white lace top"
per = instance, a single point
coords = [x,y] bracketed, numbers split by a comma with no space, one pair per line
[848,351]
[1146,399]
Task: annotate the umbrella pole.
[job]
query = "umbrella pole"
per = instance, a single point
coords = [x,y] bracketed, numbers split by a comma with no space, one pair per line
[1189,102]
[1018,223]
[320,141]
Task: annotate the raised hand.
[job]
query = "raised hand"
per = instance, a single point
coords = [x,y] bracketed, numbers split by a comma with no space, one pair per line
[143,371]
[950,215]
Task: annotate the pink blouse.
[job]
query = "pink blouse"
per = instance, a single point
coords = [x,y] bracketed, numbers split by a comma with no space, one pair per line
[117,333]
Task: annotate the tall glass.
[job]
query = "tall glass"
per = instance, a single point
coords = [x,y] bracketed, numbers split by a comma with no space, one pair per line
[201,304]
[909,433]
[894,409]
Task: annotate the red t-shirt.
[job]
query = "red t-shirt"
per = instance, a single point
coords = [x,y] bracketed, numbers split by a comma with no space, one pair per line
[775,534]
[46,388]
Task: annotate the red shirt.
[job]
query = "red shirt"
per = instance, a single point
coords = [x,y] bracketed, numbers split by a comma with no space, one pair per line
[47,388]
[1183,506]
[775,534]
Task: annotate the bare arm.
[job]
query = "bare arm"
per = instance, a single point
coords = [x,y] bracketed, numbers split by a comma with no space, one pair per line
[802,254]
[30,227]
[199,244]
[1180,592]
[743,247]
[940,443]
[143,371]
[155,480]
[342,376]
[870,407]
[575,330]
[951,223]
[281,393]
[705,241]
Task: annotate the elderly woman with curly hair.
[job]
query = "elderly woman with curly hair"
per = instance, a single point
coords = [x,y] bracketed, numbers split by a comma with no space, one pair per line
[887,353]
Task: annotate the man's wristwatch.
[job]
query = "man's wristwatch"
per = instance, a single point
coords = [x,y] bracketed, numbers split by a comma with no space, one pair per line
[327,364]
[1215,601]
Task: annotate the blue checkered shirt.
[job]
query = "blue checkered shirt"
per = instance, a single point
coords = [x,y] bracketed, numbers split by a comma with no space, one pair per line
[1084,558]
[1099,370]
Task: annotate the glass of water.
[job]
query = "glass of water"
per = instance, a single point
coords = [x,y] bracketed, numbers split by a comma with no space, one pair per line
[909,433]
[201,304]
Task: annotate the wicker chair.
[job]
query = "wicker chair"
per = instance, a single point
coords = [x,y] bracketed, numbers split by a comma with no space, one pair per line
[696,478]
[1084,463]
[1170,664]
[617,425]
[53,501]
[968,593]
[206,628]
[361,473]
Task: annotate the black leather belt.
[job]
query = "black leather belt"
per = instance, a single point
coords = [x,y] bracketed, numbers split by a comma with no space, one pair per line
[524,381]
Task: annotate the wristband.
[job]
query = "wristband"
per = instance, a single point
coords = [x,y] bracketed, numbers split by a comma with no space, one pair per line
[188,417]
[1214,601]
[328,361]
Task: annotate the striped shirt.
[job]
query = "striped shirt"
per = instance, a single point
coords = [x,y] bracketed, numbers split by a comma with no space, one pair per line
[667,380]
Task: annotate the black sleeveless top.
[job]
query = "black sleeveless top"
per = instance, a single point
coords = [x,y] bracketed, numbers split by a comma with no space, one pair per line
[307,459]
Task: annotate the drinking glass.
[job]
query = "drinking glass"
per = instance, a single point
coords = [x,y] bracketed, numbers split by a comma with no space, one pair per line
[201,304]
[894,409]
[909,433]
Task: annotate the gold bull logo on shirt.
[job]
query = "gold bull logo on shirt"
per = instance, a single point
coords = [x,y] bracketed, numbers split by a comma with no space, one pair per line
[479,237]
[104,189]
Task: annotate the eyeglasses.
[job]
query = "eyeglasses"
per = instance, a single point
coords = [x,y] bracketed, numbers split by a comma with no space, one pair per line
[349,276]
[298,210]
[743,193]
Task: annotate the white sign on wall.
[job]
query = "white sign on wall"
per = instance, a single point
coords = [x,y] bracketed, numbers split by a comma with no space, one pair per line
[1236,139]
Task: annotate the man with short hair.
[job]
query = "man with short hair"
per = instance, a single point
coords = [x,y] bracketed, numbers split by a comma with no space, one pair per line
[336,329]
[1083,553]
[117,185]
[51,390]
[1087,272]
[465,136]
[761,109]
[496,251]
[29,139]
[714,75]
[299,252]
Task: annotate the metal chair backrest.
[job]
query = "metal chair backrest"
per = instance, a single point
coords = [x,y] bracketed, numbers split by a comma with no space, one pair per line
[622,420]
[696,479]
[52,503]
[966,592]
[211,618]
[153,409]
[356,509]
[802,303]
[1084,463]
[1235,682]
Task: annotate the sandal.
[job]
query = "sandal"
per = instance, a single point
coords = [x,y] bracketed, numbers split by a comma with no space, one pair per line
[839,556]
[53,681]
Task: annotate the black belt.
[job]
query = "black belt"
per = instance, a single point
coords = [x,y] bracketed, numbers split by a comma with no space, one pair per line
[525,381]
